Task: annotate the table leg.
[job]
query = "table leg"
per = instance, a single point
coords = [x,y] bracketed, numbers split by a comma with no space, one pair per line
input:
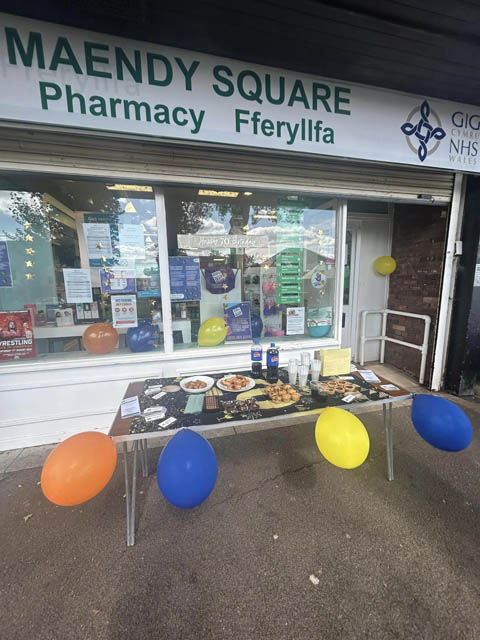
[130,492]
[387,423]
[144,457]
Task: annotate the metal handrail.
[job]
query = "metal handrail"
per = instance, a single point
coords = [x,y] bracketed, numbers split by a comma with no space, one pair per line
[384,338]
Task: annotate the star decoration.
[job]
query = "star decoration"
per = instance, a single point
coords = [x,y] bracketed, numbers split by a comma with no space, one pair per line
[28,263]
[103,259]
[99,245]
[224,286]
[30,251]
[29,276]
[27,225]
[29,238]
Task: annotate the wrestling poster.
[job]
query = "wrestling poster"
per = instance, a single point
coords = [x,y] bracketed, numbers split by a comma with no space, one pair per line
[16,335]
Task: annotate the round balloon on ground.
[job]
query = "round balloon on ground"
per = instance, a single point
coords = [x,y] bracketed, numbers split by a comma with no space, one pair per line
[212,332]
[385,265]
[441,423]
[141,338]
[78,468]
[100,338]
[187,469]
[341,438]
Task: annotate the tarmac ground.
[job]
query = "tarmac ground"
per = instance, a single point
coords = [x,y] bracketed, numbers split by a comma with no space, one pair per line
[286,547]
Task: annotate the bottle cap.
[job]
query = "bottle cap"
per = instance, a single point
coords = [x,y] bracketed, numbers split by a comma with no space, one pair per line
[272,344]
[256,341]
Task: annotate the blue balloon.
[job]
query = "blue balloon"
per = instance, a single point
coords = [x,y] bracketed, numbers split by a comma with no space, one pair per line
[257,325]
[141,338]
[441,423]
[187,469]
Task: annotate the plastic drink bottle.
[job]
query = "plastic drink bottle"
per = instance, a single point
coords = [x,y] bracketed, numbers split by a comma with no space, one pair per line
[256,356]
[272,363]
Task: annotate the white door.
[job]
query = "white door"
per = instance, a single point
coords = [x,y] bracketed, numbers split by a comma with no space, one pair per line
[368,237]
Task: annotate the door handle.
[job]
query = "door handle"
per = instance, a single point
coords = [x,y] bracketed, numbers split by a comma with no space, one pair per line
[343,320]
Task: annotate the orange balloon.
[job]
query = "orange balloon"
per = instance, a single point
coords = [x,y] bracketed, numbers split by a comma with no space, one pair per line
[100,338]
[78,468]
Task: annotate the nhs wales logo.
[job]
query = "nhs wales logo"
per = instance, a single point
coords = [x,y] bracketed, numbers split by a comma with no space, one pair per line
[423,131]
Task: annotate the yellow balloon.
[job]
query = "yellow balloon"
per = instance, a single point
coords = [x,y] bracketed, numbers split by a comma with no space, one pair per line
[385,265]
[212,332]
[341,438]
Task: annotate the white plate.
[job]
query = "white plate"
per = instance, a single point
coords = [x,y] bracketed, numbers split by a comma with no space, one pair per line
[250,385]
[210,382]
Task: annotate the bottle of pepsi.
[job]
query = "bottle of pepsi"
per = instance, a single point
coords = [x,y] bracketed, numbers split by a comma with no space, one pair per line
[272,363]
[256,356]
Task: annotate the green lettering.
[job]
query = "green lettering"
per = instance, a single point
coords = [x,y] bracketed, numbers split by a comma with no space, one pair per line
[74,96]
[45,96]
[320,92]
[267,127]
[252,94]
[339,100]
[34,46]
[217,75]
[328,136]
[176,119]
[268,89]
[239,120]
[113,106]
[151,58]
[134,69]
[163,115]
[91,59]
[63,46]
[188,73]
[98,106]
[137,106]
[298,87]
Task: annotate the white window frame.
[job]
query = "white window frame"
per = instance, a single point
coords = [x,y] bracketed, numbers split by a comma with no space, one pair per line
[340,207]
[215,353]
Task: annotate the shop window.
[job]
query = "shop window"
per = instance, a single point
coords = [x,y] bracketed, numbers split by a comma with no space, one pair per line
[263,262]
[74,254]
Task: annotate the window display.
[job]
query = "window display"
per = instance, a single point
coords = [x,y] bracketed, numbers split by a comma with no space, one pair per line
[265,263]
[79,272]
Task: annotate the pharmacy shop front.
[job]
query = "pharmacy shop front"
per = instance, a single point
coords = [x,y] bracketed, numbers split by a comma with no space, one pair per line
[155,190]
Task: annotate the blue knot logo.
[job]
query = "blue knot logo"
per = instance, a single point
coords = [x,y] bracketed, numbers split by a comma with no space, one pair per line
[424,132]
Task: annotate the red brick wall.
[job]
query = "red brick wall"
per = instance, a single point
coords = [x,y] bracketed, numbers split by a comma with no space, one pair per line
[418,247]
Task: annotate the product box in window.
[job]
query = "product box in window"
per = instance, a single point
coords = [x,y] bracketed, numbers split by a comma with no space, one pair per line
[86,313]
[64,317]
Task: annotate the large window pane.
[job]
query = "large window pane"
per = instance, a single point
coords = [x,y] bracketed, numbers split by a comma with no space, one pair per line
[265,256]
[74,254]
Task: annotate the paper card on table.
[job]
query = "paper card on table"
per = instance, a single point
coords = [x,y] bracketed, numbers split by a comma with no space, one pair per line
[389,387]
[78,285]
[334,361]
[368,375]
[130,407]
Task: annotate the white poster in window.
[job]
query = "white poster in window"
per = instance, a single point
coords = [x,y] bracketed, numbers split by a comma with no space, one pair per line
[124,311]
[295,321]
[78,286]
[131,240]
[98,240]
